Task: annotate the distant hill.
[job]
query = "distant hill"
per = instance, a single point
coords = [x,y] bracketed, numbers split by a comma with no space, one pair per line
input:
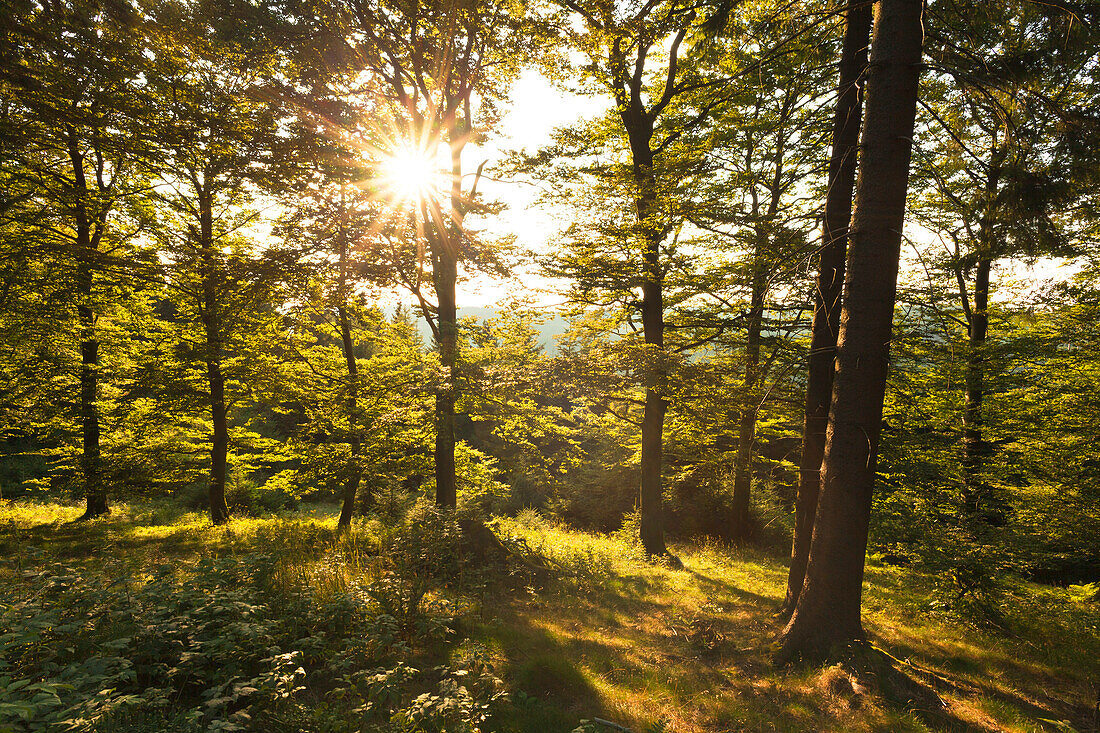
[549,330]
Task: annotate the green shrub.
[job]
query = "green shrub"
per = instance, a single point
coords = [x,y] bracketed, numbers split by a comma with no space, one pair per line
[231,644]
[478,487]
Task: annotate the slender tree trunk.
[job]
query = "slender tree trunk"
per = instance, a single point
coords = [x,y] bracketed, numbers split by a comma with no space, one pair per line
[746,434]
[446,276]
[219,447]
[830,279]
[95,491]
[827,614]
[446,485]
[351,488]
[650,502]
[974,447]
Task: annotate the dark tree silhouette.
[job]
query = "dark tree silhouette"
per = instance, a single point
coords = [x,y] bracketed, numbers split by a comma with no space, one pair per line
[827,614]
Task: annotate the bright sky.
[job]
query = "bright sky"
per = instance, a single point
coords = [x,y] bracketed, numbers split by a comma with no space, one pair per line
[536,109]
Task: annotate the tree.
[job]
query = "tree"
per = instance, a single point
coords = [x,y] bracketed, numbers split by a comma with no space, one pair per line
[828,610]
[215,125]
[69,91]
[339,223]
[999,178]
[333,440]
[766,146]
[437,71]
[827,290]
[662,101]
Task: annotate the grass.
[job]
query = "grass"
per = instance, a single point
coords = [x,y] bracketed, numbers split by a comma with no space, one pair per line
[647,647]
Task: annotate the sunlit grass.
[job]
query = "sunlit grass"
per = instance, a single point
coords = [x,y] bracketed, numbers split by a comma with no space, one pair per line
[607,634]
[691,648]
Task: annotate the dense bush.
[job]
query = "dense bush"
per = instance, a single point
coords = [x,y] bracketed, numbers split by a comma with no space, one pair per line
[234,643]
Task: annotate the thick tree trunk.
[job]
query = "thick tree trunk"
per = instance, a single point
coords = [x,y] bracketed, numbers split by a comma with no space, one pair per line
[830,279]
[746,434]
[219,446]
[351,488]
[827,615]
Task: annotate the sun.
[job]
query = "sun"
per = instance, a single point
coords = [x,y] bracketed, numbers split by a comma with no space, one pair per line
[411,175]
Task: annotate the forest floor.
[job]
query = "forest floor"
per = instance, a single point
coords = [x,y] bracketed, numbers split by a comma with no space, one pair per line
[612,637]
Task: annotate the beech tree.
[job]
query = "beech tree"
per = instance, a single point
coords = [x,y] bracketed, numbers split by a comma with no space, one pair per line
[767,143]
[827,614]
[211,91]
[438,71]
[662,101]
[828,284]
[69,94]
[1002,176]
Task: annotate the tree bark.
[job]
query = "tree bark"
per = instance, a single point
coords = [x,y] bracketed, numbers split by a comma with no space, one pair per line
[830,279]
[639,129]
[827,614]
[351,488]
[446,484]
[650,501]
[95,491]
[445,272]
[219,446]
[746,433]
[975,448]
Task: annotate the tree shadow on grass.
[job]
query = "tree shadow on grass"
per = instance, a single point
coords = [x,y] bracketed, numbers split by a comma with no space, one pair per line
[939,669]
[100,539]
[550,693]
[687,648]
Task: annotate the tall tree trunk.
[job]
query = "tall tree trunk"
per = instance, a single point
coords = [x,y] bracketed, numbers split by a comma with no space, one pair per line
[351,488]
[746,433]
[827,614]
[650,501]
[445,270]
[974,447]
[446,485]
[830,279]
[95,491]
[219,446]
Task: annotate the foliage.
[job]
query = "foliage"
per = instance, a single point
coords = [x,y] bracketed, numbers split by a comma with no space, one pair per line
[198,255]
[228,643]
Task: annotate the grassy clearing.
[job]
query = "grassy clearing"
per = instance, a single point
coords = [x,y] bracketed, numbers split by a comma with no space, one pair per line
[607,635]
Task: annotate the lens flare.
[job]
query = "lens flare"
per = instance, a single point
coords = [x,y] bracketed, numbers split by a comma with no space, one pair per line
[411,175]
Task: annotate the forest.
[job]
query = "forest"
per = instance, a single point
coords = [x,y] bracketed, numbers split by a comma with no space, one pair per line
[537,366]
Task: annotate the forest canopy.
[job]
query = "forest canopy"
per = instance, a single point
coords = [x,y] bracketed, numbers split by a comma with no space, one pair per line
[812,281]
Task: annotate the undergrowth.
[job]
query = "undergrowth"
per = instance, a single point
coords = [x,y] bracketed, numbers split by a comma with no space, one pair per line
[152,619]
[303,631]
